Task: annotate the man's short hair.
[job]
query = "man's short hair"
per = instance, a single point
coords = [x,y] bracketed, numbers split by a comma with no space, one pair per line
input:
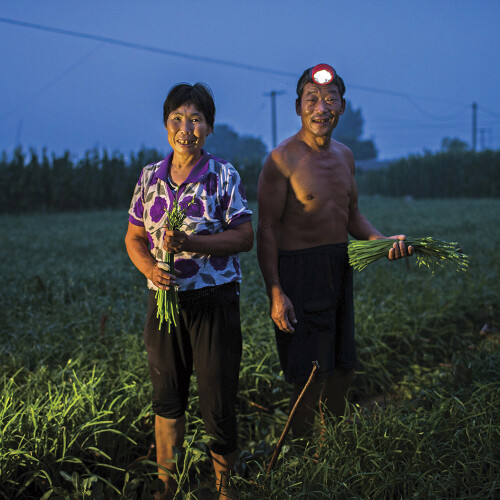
[306,78]
[198,94]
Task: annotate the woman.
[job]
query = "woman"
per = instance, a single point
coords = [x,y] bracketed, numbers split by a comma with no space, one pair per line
[207,276]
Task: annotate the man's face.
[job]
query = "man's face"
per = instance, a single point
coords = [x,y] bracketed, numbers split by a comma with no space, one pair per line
[320,108]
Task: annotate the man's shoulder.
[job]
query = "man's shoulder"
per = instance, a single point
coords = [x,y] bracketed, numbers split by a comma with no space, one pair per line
[344,152]
[341,147]
[294,147]
[286,152]
[290,145]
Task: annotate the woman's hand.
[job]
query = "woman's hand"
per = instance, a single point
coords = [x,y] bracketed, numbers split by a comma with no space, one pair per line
[228,242]
[160,277]
[175,241]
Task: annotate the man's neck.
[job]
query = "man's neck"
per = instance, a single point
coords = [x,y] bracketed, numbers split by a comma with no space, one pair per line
[318,143]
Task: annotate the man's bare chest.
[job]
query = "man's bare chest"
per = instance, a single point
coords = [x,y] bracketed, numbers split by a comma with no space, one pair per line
[318,184]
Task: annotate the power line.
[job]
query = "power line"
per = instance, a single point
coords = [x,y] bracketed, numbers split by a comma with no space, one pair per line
[249,67]
[411,126]
[146,48]
[404,96]
[488,112]
[52,82]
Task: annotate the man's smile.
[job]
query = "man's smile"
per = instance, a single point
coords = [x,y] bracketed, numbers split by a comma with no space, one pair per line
[320,120]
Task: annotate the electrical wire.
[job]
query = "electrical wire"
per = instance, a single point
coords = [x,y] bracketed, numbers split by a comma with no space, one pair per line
[411,99]
[52,82]
[249,67]
[146,48]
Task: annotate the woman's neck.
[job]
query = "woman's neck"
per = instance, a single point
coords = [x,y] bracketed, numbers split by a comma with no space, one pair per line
[181,167]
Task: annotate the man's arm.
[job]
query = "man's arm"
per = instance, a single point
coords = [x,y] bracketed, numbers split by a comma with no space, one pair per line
[362,229]
[271,195]
[358,225]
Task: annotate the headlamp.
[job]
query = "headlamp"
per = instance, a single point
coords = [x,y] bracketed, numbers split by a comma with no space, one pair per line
[322,74]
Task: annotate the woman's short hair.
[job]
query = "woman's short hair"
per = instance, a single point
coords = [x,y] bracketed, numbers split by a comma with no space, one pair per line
[198,94]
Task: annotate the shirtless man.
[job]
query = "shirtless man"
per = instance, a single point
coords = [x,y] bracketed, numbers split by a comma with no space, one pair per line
[308,205]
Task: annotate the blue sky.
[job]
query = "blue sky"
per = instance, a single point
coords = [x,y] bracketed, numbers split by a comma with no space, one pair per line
[414,68]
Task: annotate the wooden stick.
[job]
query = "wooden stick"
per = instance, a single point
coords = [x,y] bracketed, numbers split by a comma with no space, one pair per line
[258,406]
[290,418]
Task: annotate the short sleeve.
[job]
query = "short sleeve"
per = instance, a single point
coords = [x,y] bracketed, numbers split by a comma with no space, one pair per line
[234,204]
[136,210]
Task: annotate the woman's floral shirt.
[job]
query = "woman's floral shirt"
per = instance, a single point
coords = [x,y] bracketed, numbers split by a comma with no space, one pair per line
[219,204]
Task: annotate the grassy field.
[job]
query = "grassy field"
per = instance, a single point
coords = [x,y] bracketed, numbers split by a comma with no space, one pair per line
[75,413]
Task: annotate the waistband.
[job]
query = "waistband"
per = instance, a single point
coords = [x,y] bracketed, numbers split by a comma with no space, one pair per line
[207,292]
[313,250]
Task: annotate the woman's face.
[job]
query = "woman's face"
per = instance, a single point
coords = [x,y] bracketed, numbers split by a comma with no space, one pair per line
[187,131]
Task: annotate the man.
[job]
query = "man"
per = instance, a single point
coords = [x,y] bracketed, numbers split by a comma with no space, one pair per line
[308,205]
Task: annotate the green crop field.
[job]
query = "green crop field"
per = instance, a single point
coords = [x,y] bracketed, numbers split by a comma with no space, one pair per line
[424,413]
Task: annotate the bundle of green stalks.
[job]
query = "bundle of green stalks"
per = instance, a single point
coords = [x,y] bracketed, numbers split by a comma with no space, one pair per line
[428,251]
[166,300]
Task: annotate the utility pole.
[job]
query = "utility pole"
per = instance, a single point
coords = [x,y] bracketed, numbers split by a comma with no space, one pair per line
[273,94]
[474,125]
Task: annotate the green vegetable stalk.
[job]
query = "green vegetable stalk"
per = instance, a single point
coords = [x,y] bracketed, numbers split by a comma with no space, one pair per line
[429,252]
[167,300]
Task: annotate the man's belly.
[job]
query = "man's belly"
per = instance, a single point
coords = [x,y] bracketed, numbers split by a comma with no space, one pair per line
[308,232]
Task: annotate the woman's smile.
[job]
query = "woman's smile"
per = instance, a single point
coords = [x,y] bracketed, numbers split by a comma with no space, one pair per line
[187,130]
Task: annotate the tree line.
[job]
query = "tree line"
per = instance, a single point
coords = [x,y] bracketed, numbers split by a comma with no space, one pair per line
[446,174]
[38,183]
[99,180]
[33,182]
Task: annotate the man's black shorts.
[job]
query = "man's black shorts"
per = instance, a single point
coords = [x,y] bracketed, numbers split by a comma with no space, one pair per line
[318,281]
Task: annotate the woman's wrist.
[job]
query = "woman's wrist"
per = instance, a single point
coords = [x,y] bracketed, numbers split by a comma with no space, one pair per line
[149,273]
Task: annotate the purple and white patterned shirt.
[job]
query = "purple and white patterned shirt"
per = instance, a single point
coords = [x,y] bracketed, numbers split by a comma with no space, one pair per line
[219,204]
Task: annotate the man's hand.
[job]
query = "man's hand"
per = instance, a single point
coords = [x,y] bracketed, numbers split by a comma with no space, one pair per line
[282,312]
[399,249]
[175,241]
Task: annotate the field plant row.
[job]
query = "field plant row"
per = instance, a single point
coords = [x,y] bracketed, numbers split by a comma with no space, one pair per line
[448,174]
[103,180]
[75,413]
